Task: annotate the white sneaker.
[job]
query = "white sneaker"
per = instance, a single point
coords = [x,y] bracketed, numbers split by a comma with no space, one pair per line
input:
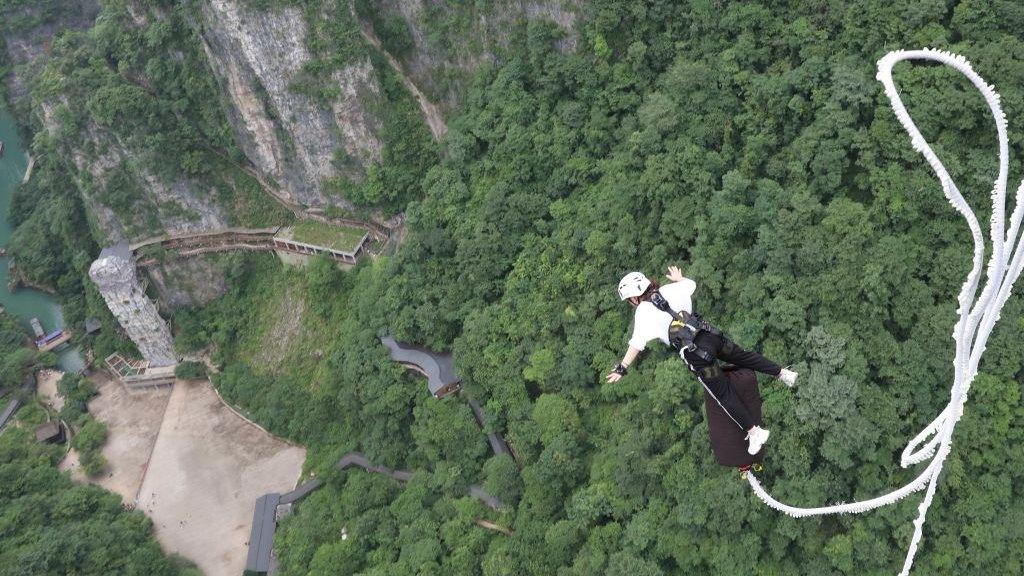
[757,437]
[788,376]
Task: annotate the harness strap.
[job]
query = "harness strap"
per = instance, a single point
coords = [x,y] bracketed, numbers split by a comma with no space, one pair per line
[728,346]
[684,328]
[709,372]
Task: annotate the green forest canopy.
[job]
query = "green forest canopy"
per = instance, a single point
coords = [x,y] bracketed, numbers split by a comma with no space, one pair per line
[753,147]
[49,525]
[748,143]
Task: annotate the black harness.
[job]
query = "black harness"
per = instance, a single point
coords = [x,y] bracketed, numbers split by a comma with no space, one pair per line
[685,327]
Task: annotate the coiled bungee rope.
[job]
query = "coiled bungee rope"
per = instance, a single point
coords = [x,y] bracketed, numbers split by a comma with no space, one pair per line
[977,316]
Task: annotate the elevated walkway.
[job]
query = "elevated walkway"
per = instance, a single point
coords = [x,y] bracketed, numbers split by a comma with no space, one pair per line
[279,239]
[270,507]
[438,367]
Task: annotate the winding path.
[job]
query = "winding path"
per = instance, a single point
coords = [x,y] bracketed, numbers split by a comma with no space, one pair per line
[27,387]
[266,512]
[440,371]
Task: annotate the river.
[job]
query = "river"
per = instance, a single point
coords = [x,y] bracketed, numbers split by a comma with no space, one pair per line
[25,303]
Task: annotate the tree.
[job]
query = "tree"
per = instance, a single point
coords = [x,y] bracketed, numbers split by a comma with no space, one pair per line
[190,370]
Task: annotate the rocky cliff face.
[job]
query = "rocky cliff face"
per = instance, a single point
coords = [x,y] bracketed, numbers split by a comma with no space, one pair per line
[180,205]
[188,282]
[257,56]
[449,41]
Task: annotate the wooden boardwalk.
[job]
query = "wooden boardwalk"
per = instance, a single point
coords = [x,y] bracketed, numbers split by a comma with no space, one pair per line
[187,244]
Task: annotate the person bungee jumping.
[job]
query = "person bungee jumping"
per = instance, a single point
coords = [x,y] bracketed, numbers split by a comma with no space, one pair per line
[666,313]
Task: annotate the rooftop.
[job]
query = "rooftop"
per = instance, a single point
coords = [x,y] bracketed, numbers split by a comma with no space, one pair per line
[338,238]
[48,432]
[261,535]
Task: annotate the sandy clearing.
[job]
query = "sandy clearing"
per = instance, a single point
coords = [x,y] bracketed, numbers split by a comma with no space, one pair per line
[133,420]
[46,388]
[207,469]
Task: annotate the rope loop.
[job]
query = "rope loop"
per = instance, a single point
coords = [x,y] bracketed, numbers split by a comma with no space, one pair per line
[977,315]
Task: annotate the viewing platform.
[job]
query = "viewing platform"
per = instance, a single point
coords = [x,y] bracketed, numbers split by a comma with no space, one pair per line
[138,373]
[311,238]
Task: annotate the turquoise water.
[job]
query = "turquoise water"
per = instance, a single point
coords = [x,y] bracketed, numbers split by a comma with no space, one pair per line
[25,303]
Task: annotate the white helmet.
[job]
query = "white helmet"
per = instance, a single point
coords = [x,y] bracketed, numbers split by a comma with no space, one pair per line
[633,284]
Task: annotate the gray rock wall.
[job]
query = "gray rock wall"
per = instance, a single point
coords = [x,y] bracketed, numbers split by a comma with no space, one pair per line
[177,206]
[289,137]
[188,282]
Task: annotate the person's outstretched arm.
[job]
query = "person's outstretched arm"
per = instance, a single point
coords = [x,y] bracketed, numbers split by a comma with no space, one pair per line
[627,361]
[675,275]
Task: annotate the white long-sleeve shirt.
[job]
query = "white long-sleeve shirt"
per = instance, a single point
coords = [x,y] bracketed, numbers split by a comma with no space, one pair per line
[650,323]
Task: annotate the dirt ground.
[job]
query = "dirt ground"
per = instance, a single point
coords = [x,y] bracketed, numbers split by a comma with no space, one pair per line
[46,388]
[133,421]
[208,468]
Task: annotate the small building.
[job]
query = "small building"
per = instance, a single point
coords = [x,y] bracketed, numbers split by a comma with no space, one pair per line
[309,238]
[261,536]
[92,325]
[50,433]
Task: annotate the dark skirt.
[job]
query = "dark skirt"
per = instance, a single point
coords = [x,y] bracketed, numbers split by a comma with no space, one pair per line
[728,442]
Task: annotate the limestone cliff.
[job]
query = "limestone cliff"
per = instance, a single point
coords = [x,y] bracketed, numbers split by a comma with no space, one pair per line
[103,162]
[289,136]
[442,43]
[188,282]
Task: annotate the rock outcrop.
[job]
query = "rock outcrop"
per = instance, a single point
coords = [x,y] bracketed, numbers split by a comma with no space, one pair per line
[114,275]
[291,138]
[180,205]
[188,282]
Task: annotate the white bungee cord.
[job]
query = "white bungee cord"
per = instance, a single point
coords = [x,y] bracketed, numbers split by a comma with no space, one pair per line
[975,322]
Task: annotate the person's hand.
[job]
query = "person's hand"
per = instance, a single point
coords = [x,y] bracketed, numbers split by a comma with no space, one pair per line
[613,377]
[674,274]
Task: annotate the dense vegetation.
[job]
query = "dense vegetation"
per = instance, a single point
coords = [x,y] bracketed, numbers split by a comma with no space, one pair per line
[751,146]
[748,143]
[15,355]
[48,524]
[52,526]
